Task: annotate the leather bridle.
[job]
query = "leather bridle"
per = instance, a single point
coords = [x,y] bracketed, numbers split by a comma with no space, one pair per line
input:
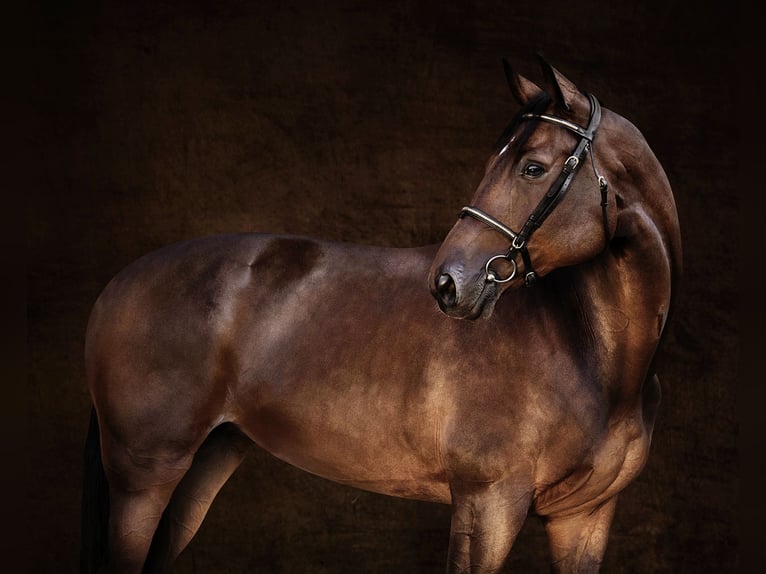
[550,200]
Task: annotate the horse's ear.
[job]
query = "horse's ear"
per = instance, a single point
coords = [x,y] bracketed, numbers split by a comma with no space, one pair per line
[521,88]
[561,89]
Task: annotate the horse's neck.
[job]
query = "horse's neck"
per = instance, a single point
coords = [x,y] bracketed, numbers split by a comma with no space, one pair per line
[624,294]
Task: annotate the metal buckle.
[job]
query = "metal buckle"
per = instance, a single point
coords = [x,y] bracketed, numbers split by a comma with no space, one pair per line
[571,163]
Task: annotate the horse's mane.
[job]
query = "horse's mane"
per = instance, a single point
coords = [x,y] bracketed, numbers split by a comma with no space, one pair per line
[536,105]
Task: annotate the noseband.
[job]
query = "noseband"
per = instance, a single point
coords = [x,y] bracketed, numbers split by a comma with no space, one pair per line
[549,201]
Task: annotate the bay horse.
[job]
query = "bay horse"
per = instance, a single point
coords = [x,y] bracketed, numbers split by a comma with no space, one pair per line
[340,360]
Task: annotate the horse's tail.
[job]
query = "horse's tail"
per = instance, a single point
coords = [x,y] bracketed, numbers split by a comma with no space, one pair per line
[95,505]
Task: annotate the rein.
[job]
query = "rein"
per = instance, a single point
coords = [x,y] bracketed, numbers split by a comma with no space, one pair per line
[550,200]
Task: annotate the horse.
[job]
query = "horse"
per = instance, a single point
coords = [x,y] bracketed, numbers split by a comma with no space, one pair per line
[508,371]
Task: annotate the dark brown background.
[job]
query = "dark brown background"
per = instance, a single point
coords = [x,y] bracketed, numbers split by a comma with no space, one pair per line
[367,122]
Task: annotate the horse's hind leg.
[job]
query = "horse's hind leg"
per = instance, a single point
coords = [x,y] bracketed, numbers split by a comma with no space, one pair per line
[578,541]
[145,456]
[215,461]
[135,508]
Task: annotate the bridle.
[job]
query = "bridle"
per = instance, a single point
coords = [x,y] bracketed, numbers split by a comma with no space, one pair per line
[550,200]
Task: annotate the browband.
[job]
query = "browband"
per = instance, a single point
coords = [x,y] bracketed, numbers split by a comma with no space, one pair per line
[571,126]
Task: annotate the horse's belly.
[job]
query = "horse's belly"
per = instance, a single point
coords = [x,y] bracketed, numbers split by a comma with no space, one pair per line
[349,445]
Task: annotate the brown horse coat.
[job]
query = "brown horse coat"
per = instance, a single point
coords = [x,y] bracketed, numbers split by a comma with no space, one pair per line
[337,359]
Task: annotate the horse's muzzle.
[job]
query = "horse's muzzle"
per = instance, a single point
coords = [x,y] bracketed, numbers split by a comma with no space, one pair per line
[463,298]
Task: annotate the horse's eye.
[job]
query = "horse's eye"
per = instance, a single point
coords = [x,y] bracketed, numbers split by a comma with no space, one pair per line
[532,170]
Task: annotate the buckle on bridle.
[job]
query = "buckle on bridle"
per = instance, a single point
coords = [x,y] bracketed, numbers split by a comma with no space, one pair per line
[571,163]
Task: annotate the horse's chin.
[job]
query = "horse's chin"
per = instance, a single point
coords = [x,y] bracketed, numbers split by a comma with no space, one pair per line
[482,306]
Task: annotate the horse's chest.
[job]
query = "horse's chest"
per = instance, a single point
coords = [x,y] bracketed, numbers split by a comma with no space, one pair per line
[612,463]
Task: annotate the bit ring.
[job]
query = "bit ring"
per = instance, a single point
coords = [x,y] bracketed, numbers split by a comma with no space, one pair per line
[492,277]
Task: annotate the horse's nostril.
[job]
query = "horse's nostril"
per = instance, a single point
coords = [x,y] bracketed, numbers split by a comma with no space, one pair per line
[445,289]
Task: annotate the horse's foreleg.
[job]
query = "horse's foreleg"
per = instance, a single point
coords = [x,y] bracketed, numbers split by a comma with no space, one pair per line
[486,518]
[578,541]
[215,461]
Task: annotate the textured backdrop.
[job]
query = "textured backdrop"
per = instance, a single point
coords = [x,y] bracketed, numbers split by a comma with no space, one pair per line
[366,122]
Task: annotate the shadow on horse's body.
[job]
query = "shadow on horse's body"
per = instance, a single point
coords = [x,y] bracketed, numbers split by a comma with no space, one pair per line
[335,358]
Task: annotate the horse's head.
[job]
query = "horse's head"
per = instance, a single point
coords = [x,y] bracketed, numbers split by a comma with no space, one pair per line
[538,207]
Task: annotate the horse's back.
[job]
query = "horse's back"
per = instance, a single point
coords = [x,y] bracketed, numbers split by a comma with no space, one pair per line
[190,286]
